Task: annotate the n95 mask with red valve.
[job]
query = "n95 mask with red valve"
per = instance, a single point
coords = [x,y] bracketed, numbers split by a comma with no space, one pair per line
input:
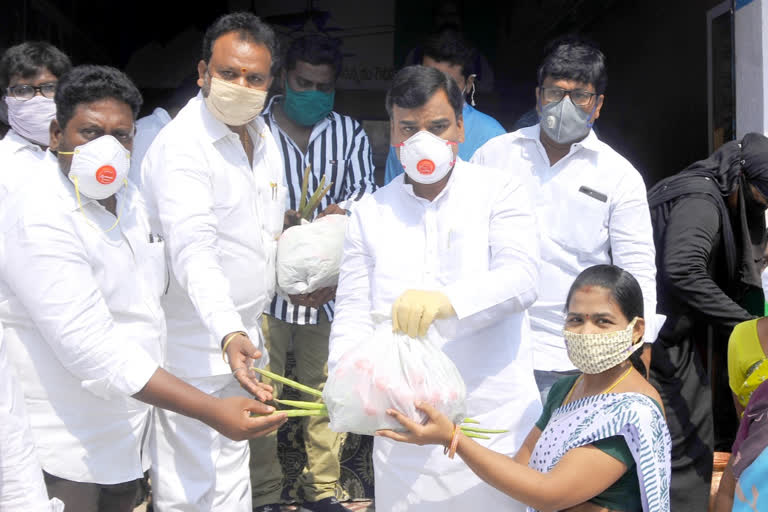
[99,168]
[426,158]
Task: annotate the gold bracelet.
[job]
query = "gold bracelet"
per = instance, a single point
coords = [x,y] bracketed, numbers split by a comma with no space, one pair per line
[227,339]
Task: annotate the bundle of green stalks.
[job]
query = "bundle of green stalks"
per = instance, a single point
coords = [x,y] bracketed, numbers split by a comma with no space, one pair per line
[307,207]
[301,408]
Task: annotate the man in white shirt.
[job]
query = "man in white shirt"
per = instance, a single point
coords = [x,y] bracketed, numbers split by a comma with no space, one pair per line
[81,273]
[590,202]
[20,473]
[215,178]
[29,73]
[454,241]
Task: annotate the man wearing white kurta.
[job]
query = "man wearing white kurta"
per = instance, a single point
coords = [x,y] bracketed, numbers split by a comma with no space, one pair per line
[590,202]
[458,244]
[215,178]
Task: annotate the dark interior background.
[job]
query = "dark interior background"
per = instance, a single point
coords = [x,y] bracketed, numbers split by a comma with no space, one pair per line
[655,109]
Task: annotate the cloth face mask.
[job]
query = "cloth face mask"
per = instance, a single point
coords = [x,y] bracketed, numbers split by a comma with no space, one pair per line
[32,118]
[232,104]
[596,352]
[99,168]
[426,158]
[564,122]
[307,107]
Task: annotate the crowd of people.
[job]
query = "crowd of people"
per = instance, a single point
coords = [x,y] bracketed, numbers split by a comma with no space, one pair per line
[588,316]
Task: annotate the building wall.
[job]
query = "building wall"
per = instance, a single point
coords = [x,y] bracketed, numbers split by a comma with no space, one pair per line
[751,40]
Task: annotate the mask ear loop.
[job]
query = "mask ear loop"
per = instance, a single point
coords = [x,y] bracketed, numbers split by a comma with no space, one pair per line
[472,95]
[80,207]
[634,346]
[594,109]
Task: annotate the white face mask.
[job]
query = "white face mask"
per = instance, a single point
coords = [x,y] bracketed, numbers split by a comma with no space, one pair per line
[595,353]
[232,104]
[426,158]
[99,168]
[32,118]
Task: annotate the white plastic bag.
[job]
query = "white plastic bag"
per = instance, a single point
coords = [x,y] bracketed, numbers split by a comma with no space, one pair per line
[309,255]
[392,370]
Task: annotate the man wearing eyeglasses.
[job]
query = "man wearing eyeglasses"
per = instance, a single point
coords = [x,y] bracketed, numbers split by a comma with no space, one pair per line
[590,202]
[29,73]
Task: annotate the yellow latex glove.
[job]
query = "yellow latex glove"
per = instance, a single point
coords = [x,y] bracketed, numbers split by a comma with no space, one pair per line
[415,310]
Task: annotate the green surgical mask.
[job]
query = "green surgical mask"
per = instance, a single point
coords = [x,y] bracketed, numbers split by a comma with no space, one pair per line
[307,107]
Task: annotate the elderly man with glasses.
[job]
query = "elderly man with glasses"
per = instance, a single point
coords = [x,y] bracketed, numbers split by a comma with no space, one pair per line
[29,73]
[590,201]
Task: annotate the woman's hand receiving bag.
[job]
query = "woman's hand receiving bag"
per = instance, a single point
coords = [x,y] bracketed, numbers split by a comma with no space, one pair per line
[392,371]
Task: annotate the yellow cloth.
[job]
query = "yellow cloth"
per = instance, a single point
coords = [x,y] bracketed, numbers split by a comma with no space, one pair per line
[747,363]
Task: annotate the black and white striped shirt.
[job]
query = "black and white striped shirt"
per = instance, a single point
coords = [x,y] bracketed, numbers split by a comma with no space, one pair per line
[339,149]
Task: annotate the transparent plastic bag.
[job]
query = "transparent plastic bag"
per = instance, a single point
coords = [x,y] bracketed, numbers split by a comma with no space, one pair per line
[392,370]
[309,255]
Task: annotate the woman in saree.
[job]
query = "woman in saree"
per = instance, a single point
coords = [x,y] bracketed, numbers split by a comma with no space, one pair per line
[601,443]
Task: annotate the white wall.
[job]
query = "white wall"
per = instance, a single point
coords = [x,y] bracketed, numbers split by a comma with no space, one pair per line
[751,35]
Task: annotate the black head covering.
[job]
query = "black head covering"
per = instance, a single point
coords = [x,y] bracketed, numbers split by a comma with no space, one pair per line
[754,161]
[733,166]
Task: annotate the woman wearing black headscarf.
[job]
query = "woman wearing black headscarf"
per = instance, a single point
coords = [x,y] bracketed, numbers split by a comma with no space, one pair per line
[709,231]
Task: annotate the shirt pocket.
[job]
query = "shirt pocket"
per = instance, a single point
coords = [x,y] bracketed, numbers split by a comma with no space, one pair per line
[463,250]
[154,267]
[273,209]
[577,222]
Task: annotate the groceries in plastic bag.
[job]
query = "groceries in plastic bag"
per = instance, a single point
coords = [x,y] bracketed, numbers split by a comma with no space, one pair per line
[309,255]
[392,371]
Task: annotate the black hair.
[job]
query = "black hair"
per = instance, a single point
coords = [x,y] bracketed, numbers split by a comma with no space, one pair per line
[575,58]
[88,83]
[248,26]
[413,86]
[315,49]
[28,59]
[450,46]
[625,291]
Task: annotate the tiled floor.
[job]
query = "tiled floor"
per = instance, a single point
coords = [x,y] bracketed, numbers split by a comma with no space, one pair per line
[356,506]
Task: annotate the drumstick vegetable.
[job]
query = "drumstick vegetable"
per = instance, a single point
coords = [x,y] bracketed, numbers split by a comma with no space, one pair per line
[302,405]
[288,382]
[304,186]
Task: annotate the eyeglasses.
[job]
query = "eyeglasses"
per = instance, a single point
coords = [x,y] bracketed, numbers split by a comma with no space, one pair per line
[555,94]
[27,92]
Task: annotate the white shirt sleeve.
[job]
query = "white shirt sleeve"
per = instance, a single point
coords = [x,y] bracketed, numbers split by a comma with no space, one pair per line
[352,322]
[509,285]
[183,193]
[632,246]
[48,270]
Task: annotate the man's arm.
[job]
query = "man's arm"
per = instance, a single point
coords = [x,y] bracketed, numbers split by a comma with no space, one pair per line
[352,322]
[632,247]
[49,271]
[509,285]
[692,229]
[183,192]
